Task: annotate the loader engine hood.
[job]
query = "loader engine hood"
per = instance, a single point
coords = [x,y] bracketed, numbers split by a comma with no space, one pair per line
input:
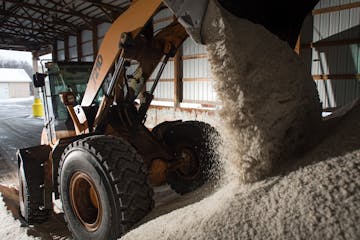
[283,18]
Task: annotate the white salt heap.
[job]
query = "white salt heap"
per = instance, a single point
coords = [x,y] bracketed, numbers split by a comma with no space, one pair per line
[270,104]
[320,200]
[270,111]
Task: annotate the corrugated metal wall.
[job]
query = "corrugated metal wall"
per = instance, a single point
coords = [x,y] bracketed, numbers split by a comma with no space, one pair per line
[165,88]
[196,81]
[330,49]
[73,52]
[336,51]
[86,45]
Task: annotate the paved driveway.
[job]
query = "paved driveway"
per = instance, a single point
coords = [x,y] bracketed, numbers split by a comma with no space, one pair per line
[18,129]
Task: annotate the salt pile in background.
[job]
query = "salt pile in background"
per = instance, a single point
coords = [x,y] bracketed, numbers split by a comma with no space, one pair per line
[270,104]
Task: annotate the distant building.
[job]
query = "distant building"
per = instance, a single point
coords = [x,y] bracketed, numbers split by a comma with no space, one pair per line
[14,83]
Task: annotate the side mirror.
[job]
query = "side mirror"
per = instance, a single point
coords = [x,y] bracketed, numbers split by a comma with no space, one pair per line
[68,98]
[39,79]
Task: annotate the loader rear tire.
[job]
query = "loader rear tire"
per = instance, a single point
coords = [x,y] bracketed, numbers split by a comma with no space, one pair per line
[197,143]
[103,187]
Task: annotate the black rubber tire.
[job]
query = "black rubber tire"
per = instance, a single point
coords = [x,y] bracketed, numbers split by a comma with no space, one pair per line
[120,178]
[158,130]
[26,203]
[202,139]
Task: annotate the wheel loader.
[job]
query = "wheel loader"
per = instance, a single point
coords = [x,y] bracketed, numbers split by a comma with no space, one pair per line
[96,155]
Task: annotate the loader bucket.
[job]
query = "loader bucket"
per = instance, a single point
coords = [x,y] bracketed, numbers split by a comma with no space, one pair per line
[283,18]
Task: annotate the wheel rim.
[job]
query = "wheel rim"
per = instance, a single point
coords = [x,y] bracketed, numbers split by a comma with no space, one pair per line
[189,167]
[85,201]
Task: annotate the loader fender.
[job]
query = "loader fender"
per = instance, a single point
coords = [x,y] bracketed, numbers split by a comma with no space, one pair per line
[56,155]
[161,128]
[35,183]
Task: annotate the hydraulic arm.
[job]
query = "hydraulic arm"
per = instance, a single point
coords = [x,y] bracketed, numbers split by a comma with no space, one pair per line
[190,15]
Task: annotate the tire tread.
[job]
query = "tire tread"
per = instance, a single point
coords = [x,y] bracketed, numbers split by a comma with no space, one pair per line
[123,167]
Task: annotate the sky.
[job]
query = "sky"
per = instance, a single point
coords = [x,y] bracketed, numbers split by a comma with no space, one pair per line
[16,55]
[20,56]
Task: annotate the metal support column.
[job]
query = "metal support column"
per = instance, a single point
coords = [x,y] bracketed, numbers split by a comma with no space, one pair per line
[37,107]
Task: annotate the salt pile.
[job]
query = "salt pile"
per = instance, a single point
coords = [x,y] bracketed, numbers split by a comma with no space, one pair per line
[271,111]
[319,201]
[270,103]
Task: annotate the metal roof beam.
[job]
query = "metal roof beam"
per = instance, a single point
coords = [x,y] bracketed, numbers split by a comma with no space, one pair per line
[19,36]
[39,30]
[10,10]
[69,11]
[107,5]
[35,24]
[31,35]
[110,17]
[55,22]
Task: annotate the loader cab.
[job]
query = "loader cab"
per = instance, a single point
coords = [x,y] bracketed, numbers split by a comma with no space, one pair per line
[64,77]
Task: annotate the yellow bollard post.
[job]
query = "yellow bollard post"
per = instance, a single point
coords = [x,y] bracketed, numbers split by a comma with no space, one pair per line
[37,108]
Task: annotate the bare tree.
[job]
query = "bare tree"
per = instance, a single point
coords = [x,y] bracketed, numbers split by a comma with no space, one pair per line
[8,63]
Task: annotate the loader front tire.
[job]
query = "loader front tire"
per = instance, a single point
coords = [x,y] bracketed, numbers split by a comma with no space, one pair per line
[103,187]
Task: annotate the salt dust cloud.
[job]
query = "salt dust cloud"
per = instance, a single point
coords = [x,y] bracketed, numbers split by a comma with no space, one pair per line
[270,103]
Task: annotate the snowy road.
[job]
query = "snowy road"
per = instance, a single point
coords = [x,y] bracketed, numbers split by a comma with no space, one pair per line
[18,129]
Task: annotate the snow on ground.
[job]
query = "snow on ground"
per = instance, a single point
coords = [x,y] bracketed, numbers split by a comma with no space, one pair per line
[15,100]
[10,227]
[53,229]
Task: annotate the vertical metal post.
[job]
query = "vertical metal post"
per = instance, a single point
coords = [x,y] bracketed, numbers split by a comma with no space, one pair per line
[178,77]
[95,40]
[37,107]
[55,52]
[79,46]
[66,48]
[35,66]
